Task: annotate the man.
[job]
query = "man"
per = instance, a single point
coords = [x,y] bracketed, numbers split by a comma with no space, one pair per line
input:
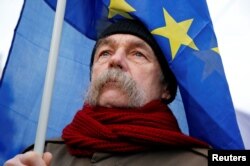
[125,119]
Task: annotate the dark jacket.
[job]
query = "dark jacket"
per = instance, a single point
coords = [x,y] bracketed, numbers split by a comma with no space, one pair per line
[173,157]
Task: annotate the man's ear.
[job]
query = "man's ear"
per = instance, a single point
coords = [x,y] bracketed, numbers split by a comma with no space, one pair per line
[165,94]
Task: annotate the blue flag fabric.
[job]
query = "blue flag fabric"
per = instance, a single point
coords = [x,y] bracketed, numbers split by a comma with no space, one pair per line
[184,30]
[21,87]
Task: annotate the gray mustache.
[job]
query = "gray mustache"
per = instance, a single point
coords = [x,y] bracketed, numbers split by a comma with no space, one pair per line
[121,80]
[117,76]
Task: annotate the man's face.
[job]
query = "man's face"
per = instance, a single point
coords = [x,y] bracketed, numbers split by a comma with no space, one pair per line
[130,60]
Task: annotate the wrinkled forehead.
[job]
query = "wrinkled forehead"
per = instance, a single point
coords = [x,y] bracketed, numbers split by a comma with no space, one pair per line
[123,39]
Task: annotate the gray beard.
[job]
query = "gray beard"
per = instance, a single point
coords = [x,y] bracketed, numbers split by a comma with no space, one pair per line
[136,96]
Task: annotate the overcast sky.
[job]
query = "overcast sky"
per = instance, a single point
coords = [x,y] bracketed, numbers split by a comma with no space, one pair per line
[231,19]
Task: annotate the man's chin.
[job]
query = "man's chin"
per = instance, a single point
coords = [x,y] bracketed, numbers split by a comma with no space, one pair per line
[113,105]
[113,98]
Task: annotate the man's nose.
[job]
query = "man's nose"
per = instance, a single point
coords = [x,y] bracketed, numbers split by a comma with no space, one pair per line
[118,60]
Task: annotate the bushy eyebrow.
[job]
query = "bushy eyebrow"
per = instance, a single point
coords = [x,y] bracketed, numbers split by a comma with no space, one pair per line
[113,42]
[139,44]
[105,42]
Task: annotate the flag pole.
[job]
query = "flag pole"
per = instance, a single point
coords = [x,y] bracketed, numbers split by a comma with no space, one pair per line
[50,77]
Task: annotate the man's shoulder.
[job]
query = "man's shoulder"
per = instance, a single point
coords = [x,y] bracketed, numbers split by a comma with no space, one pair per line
[55,141]
[200,151]
[48,143]
[182,156]
[54,144]
[182,152]
[171,157]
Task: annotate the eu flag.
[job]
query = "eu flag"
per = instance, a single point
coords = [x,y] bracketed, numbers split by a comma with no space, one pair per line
[184,30]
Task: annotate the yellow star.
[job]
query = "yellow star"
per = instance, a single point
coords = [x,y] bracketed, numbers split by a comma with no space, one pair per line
[176,33]
[216,49]
[120,7]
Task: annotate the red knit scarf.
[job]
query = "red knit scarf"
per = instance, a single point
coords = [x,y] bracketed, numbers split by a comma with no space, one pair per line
[101,129]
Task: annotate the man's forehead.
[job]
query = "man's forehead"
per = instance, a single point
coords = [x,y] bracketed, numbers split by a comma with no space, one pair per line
[128,39]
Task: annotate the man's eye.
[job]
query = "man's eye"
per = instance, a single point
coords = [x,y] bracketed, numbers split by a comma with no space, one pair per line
[104,53]
[139,54]
[138,57]
[103,56]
